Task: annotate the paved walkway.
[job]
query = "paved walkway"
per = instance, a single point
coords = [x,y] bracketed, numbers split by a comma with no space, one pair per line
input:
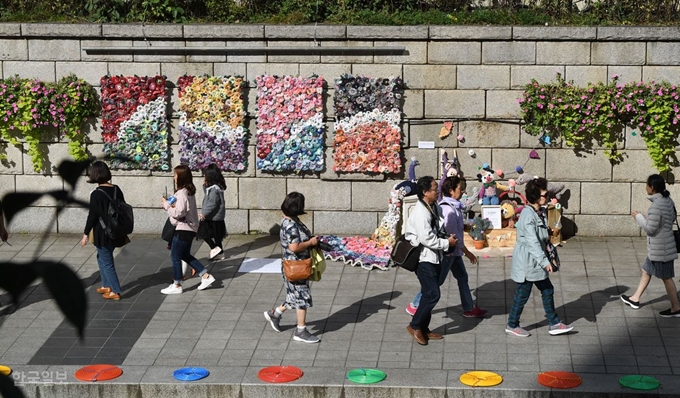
[359,316]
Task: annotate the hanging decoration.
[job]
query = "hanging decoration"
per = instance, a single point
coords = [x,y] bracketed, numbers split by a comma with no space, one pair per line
[367,127]
[211,123]
[289,123]
[134,122]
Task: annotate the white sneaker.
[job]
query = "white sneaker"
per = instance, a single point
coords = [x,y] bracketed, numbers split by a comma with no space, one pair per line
[172,289]
[205,282]
[214,253]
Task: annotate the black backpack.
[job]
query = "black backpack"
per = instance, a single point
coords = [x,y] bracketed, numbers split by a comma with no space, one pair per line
[118,220]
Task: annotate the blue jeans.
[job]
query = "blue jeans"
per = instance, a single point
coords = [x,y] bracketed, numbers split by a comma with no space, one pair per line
[428,275]
[181,251]
[107,269]
[457,267]
[522,296]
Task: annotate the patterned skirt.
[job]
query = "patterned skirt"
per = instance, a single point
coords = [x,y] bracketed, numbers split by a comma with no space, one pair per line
[298,294]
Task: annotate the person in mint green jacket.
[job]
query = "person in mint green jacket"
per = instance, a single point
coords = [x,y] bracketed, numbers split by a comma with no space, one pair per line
[530,263]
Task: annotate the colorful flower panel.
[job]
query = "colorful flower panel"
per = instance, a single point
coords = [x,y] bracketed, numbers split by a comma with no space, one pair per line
[211,121]
[134,125]
[367,128]
[289,123]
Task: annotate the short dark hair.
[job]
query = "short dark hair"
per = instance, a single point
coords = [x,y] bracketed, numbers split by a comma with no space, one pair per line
[213,176]
[293,205]
[451,183]
[658,184]
[185,179]
[534,188]
[424,184]
[99,173]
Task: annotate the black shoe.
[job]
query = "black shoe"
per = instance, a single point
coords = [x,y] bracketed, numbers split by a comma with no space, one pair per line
[669,314]
[633,304]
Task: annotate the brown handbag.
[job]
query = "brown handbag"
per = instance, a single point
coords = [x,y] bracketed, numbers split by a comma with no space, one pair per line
[297,270]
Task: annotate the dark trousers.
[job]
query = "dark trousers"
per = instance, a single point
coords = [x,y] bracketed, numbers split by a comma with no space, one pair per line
[428,275]
[522,296]
[181,251]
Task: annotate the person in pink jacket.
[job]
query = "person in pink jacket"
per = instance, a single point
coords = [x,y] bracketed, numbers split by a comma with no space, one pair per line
[184,216]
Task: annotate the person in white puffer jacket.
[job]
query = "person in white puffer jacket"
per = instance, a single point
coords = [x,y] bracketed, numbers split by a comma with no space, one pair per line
[661,248]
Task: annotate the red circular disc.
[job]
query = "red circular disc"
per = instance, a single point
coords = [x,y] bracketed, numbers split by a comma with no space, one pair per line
[98,372]
[557,379]
[279,374]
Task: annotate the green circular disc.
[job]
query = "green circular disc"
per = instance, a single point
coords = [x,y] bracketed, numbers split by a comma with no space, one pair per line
[639,382]
[366,376]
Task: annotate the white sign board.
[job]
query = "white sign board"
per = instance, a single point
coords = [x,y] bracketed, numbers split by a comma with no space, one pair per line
[493,214]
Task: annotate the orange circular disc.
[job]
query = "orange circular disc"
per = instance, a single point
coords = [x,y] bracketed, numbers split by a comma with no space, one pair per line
[279,374]
[98,372]
[557,379]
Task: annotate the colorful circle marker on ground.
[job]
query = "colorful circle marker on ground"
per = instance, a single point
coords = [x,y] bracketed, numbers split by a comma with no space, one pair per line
[366,376]
[5,370]
[98,372]
[279,374]
[639,382]
[481,378]
[190,374]
[557,379]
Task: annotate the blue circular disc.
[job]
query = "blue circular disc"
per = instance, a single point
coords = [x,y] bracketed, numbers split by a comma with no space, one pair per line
[190,374]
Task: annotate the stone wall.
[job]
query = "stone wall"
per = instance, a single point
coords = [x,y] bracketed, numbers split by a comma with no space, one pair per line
[449,72]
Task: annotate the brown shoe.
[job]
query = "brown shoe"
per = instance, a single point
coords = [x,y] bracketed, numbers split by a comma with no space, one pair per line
[102,290]
[433,336]
[417,335]
[111,296]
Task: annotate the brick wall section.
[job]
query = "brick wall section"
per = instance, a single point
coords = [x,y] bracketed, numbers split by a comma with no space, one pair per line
[449,72]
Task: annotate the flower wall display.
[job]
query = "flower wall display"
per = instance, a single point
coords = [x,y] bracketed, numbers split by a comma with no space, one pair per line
[367,128]
[134,125]
[211,122]
[289,123]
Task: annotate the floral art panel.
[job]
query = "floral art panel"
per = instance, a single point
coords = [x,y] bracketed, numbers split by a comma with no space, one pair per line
[367,129]
[134,122]
[211,123]
[290,123]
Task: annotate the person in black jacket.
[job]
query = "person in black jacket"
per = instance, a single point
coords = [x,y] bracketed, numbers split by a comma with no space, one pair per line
[100,174]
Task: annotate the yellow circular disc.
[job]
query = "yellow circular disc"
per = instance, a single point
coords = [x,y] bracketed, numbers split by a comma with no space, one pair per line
[481,378]
[5,370]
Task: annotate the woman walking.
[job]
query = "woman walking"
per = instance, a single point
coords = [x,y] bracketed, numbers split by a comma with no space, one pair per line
[661,249]
[184,216]
[296,240]
[530,263]
[100,174]
[212,210]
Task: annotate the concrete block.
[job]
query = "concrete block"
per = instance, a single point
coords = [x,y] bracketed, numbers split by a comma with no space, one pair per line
[634,142]
[40,183]
[605,225]
[246,58]
[61,30]
[347,58]
[508,159]
[7,184]
[10,29]
[150,196]
[623,53]
[254,194]
[33,220]
[297,58]
[329,72]
[520,76]
[253,70]
[344,223]
[14,164]
[454,53]
[669,74]
[105,57]
[470,32]
[489,134]
[553,33]
[479,77]
[562,53]
[13,50]
[416,53]
[428,161]
[158,58]
[637,33]
[565,165]
[371,196]
[663,53]
[236,31]
[454,103]
[626,74]
[513,52]
[639,199]
[323,195]
[387,32]
[571,198]
[53,50]
[229,69]
[237,221]
[437,77]
[173,70]
[582,75]
[268,221]
[92,129]
[329,110]
[136,68]
[153,31]
[72,220]
[371,70]
[430,132]
[592,203]
[91,72]
[304,31]
[206,58]
[414,104]
[636,166]
[503,104]
[55,154]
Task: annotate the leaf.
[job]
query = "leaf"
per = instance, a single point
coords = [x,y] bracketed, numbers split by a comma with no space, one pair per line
[66,288]
[13,203]
[16,278]
[71,171]
[8,389]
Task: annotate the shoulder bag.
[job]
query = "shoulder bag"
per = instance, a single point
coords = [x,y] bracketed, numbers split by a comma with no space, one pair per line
[676,232]
[297,270]
[405,255]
